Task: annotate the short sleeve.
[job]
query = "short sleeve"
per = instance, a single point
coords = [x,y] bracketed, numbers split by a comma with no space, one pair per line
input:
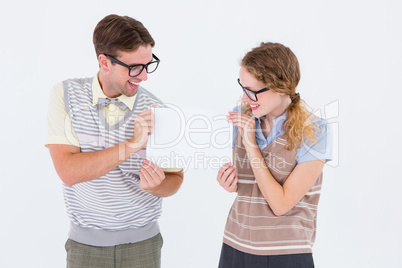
[322,149]
[60,129]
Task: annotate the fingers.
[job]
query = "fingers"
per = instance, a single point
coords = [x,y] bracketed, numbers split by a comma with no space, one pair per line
[223,169]
[246,126]
[151,121]
[227,177]
[150,175]
[241,120]
[143,127]
[146,120]
[153,168]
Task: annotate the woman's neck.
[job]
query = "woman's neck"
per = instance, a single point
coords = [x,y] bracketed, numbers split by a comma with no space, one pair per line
[266,123]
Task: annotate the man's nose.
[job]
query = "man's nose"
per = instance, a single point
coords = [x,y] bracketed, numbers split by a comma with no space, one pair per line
[143,75]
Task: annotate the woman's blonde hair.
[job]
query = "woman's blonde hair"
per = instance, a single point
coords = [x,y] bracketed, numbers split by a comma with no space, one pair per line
[278,68]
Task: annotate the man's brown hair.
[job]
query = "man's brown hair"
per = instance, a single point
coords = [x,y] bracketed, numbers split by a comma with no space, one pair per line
[120,33]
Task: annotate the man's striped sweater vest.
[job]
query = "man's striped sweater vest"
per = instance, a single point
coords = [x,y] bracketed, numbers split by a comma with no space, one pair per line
[113,202]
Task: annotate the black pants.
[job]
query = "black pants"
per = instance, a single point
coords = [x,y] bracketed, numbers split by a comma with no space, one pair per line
[233,258]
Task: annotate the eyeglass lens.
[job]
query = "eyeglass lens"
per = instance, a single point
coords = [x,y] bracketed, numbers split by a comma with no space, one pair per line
[250,94]
[150,68]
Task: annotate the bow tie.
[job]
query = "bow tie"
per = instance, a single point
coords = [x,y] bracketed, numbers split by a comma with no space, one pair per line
[103,102]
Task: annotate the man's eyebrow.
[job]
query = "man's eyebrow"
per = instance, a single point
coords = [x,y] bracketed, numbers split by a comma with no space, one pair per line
[140,63]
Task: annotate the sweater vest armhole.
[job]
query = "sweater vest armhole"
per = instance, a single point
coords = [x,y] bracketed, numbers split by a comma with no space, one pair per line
[66,97]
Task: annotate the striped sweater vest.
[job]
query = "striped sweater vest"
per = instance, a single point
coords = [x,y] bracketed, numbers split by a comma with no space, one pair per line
[252,227]
[112,202]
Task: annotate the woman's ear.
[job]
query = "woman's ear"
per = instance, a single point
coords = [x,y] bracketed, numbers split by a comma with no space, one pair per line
[287,86]
[103,62]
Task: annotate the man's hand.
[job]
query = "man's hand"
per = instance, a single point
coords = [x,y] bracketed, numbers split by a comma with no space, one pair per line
[143,127]
[151,176]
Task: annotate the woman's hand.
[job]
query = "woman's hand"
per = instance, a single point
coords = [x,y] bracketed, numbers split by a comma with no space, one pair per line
[227,177]
[246,125]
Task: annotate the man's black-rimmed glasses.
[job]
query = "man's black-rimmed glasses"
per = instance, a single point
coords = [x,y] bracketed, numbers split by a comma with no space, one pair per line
[252,94]
[136,69]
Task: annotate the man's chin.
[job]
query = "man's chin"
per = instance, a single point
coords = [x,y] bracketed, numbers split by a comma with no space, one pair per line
[131,93]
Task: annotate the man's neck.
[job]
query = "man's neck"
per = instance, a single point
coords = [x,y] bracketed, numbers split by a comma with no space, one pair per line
[103,85]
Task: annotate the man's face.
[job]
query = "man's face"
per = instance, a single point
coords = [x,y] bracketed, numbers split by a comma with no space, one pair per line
[116,80]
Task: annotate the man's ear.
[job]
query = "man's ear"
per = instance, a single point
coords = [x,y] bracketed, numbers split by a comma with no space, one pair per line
[104,62]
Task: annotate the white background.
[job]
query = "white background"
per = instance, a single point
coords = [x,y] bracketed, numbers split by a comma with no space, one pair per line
[350,54]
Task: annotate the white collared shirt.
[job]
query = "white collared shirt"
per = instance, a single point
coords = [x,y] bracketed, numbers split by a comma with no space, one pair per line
[60,129]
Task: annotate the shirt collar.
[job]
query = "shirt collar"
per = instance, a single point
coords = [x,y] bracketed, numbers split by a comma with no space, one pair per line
[276,123]
[97,93]
[276,131]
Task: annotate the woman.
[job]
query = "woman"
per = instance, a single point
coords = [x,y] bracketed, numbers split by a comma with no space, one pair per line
[280,149]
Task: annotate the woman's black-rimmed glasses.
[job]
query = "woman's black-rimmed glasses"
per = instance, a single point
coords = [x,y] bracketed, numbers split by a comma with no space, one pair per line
[252,94]
[136,69]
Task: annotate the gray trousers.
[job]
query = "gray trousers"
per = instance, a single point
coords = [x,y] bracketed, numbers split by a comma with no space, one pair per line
[143,254]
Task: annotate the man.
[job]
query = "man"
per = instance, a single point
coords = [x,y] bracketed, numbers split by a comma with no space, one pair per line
[98,130]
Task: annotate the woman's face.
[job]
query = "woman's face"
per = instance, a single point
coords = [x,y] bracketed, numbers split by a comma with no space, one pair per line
[268,103]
